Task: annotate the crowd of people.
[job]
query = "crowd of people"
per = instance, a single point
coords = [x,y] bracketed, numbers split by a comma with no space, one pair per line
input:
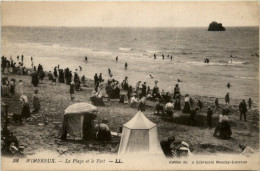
[110,88]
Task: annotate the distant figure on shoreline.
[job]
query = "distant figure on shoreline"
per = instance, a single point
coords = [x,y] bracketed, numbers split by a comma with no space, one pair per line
[162,57]
[86,58]
[18,57]
[227,99]
[80,68]
[117,59]
[31,58]
[22,58]
[150,76]
[206,60]
[126,65]
[228,85]
[179,80]
[154,56]
[171,58]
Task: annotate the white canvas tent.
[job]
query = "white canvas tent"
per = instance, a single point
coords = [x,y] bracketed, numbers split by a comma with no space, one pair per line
[78,121]
[139,136]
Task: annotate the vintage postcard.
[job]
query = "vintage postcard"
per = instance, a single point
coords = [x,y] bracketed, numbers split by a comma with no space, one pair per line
[129,85]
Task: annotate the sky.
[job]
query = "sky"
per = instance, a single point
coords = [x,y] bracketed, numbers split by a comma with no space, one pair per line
[129,14]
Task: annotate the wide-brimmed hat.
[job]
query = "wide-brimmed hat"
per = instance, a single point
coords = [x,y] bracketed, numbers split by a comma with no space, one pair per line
[183,143]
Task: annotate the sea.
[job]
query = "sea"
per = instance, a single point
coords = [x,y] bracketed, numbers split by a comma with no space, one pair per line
[68,47]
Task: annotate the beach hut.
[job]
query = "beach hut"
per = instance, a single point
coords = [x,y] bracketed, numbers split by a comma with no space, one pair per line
[140,136]
[78,121]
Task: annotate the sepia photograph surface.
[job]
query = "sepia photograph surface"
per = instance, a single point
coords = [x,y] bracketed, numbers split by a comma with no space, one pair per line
[130,85]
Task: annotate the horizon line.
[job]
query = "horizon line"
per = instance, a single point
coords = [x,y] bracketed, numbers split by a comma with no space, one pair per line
[130,26]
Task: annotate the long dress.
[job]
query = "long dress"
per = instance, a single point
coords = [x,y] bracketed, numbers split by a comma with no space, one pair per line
[186,108]
[20,89]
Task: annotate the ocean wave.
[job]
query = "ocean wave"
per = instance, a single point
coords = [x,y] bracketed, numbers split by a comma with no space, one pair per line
[236,62]
[125,49]
[248,78]
[153,51]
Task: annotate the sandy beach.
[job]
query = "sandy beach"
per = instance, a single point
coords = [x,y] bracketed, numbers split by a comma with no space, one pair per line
[55,99]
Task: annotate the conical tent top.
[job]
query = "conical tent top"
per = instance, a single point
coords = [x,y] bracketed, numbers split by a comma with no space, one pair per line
[139,121]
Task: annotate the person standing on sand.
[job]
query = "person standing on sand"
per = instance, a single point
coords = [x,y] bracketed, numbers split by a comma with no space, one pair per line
[156,91]
[209,117]
[216,103]
[243,109]
[126,65]
[171,58]
[55,73]
[144,89]
[228,85]
[20,88]
[100,77]
[35,79]
[154,56]
[117,59]
[22,58]
[18,58]
[137,87]
[96,79]
[162,57]
[219,124]
[176,90]
[227,99]
[186,108]
[12,87]
[249,103]
[109,72]
[36,102]
[72,90]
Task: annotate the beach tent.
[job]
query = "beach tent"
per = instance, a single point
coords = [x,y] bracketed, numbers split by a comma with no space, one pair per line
[78,121]
[139,136]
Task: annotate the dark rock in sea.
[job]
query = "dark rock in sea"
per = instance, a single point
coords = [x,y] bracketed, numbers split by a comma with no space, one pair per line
[214,26]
